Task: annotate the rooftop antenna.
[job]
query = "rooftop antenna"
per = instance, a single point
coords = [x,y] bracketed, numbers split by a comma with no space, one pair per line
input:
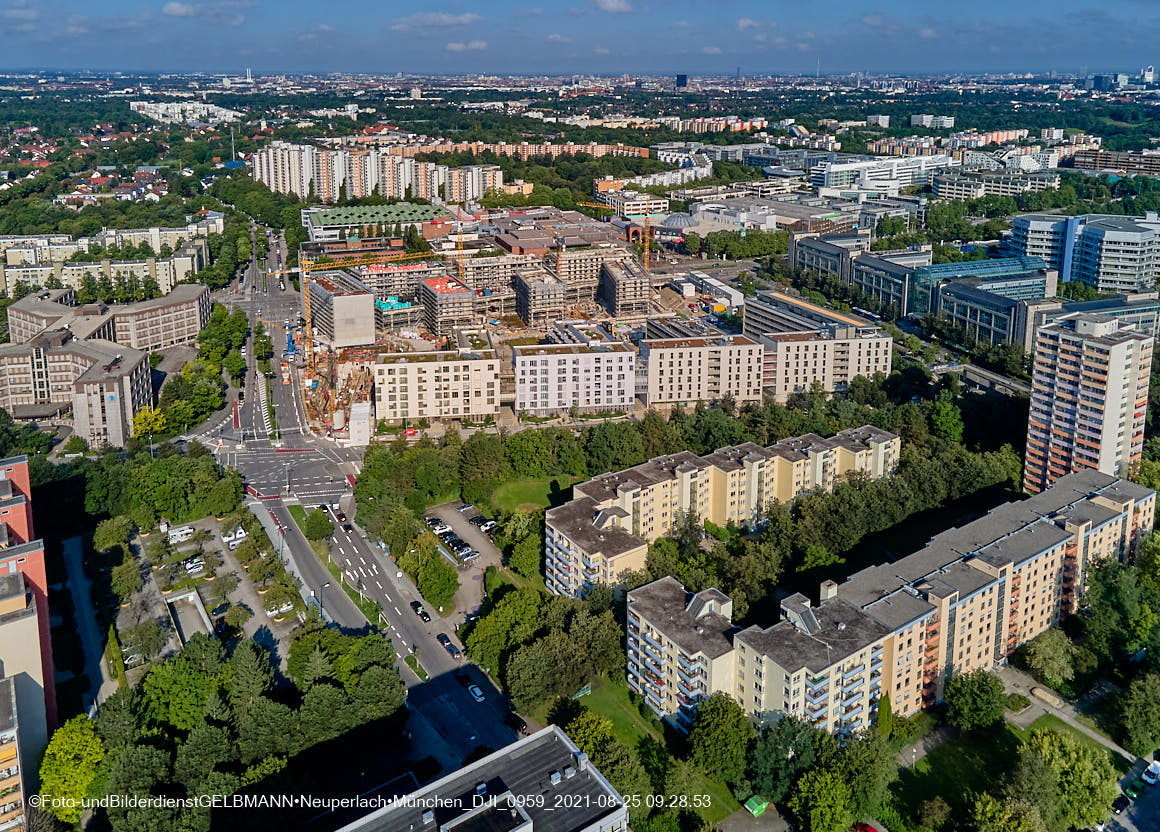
[233,151]
[818,71]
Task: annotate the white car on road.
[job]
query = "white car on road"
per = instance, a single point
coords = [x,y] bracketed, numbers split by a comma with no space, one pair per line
[1152,773]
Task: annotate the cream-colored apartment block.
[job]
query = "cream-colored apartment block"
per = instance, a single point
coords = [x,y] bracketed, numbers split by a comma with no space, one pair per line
[679,646]
[964,602]
[732,485]
[689,370]
[436,385]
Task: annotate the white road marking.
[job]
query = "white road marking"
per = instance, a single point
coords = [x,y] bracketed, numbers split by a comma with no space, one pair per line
[380,586]
[364,563]
[397,611]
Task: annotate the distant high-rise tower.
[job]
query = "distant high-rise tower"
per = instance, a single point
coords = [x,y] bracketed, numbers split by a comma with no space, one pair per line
[249,76]
[682,81]
[1089,399]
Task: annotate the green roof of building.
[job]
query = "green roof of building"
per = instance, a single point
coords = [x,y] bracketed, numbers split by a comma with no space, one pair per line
[364,214]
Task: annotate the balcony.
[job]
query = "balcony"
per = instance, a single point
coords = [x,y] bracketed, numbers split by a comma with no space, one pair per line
[850,714]
[818,698]
[853,686]
[852,698]
[853,671]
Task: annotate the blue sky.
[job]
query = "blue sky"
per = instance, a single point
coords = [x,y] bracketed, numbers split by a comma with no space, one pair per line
[599,36]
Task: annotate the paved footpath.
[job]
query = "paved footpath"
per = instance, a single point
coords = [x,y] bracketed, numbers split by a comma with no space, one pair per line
[1016,681]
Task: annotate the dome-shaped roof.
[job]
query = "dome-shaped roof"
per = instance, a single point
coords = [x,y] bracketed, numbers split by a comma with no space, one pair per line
[681,219]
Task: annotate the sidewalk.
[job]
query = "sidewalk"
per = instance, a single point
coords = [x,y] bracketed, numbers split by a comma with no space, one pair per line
[101,684]
[1016,681]
[914,752]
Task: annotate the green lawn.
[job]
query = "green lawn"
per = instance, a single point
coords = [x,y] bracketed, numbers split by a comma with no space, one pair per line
[611,700]
[955,769]
[299,515]
[512,495]
[1056,724]
[973,763]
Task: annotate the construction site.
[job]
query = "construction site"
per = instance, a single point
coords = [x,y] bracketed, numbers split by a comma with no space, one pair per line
[501,284]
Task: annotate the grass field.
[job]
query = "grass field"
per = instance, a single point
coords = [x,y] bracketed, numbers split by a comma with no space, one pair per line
[955,769]
[299,515]
[1056,724]
[974,763]
[612,701]
[528,494]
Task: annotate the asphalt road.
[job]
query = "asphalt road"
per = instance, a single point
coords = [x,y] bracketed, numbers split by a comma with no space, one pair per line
[298,467]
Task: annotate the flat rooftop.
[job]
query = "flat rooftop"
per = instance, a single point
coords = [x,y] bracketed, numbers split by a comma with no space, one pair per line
[433,356]
[367,214]
[715,341]
[547,764]
[567,349]
[446,285]
[680,615]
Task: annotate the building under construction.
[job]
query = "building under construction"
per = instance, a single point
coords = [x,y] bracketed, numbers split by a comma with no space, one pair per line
[625,288]
[541,297]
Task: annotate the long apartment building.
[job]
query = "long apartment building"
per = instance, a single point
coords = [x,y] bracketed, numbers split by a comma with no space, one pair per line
[690,370]
[12,773]
[1110,253]
[437,385]
[190,257]
[155,324]
[1089,398]
[964,602]
[104,383]
[607,526]
[302,169]
[806,345]
[39,249]
[26,666]
[588,377]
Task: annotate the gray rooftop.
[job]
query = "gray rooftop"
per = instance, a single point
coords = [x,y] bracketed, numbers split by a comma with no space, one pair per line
[1011,533]
[576,519]
[842,629]
[525,768]
[7,705]
[691,620]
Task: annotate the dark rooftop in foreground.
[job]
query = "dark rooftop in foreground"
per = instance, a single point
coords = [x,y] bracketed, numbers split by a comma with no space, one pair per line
[546,763]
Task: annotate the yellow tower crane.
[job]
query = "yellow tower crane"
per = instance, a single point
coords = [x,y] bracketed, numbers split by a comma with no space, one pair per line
[647,235]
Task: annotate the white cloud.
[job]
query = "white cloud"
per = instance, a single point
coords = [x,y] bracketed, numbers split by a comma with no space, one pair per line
[711,50]
[556,38]
[760,37]
[533,11]
[874,20]
[928,32]
[681,24]
[614,6]
[19,12]
[600,50]
[176,9]
[222,12]
[746,23]
[433,20]
[470,46]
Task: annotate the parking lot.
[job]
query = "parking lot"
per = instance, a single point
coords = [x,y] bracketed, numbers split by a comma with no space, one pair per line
[1144,813]
[470,594]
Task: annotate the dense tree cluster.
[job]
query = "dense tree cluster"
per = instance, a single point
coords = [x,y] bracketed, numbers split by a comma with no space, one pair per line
[205,722]
[542,647]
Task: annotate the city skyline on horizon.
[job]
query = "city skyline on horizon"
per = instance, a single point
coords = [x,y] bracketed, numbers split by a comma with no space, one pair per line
[598,37]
